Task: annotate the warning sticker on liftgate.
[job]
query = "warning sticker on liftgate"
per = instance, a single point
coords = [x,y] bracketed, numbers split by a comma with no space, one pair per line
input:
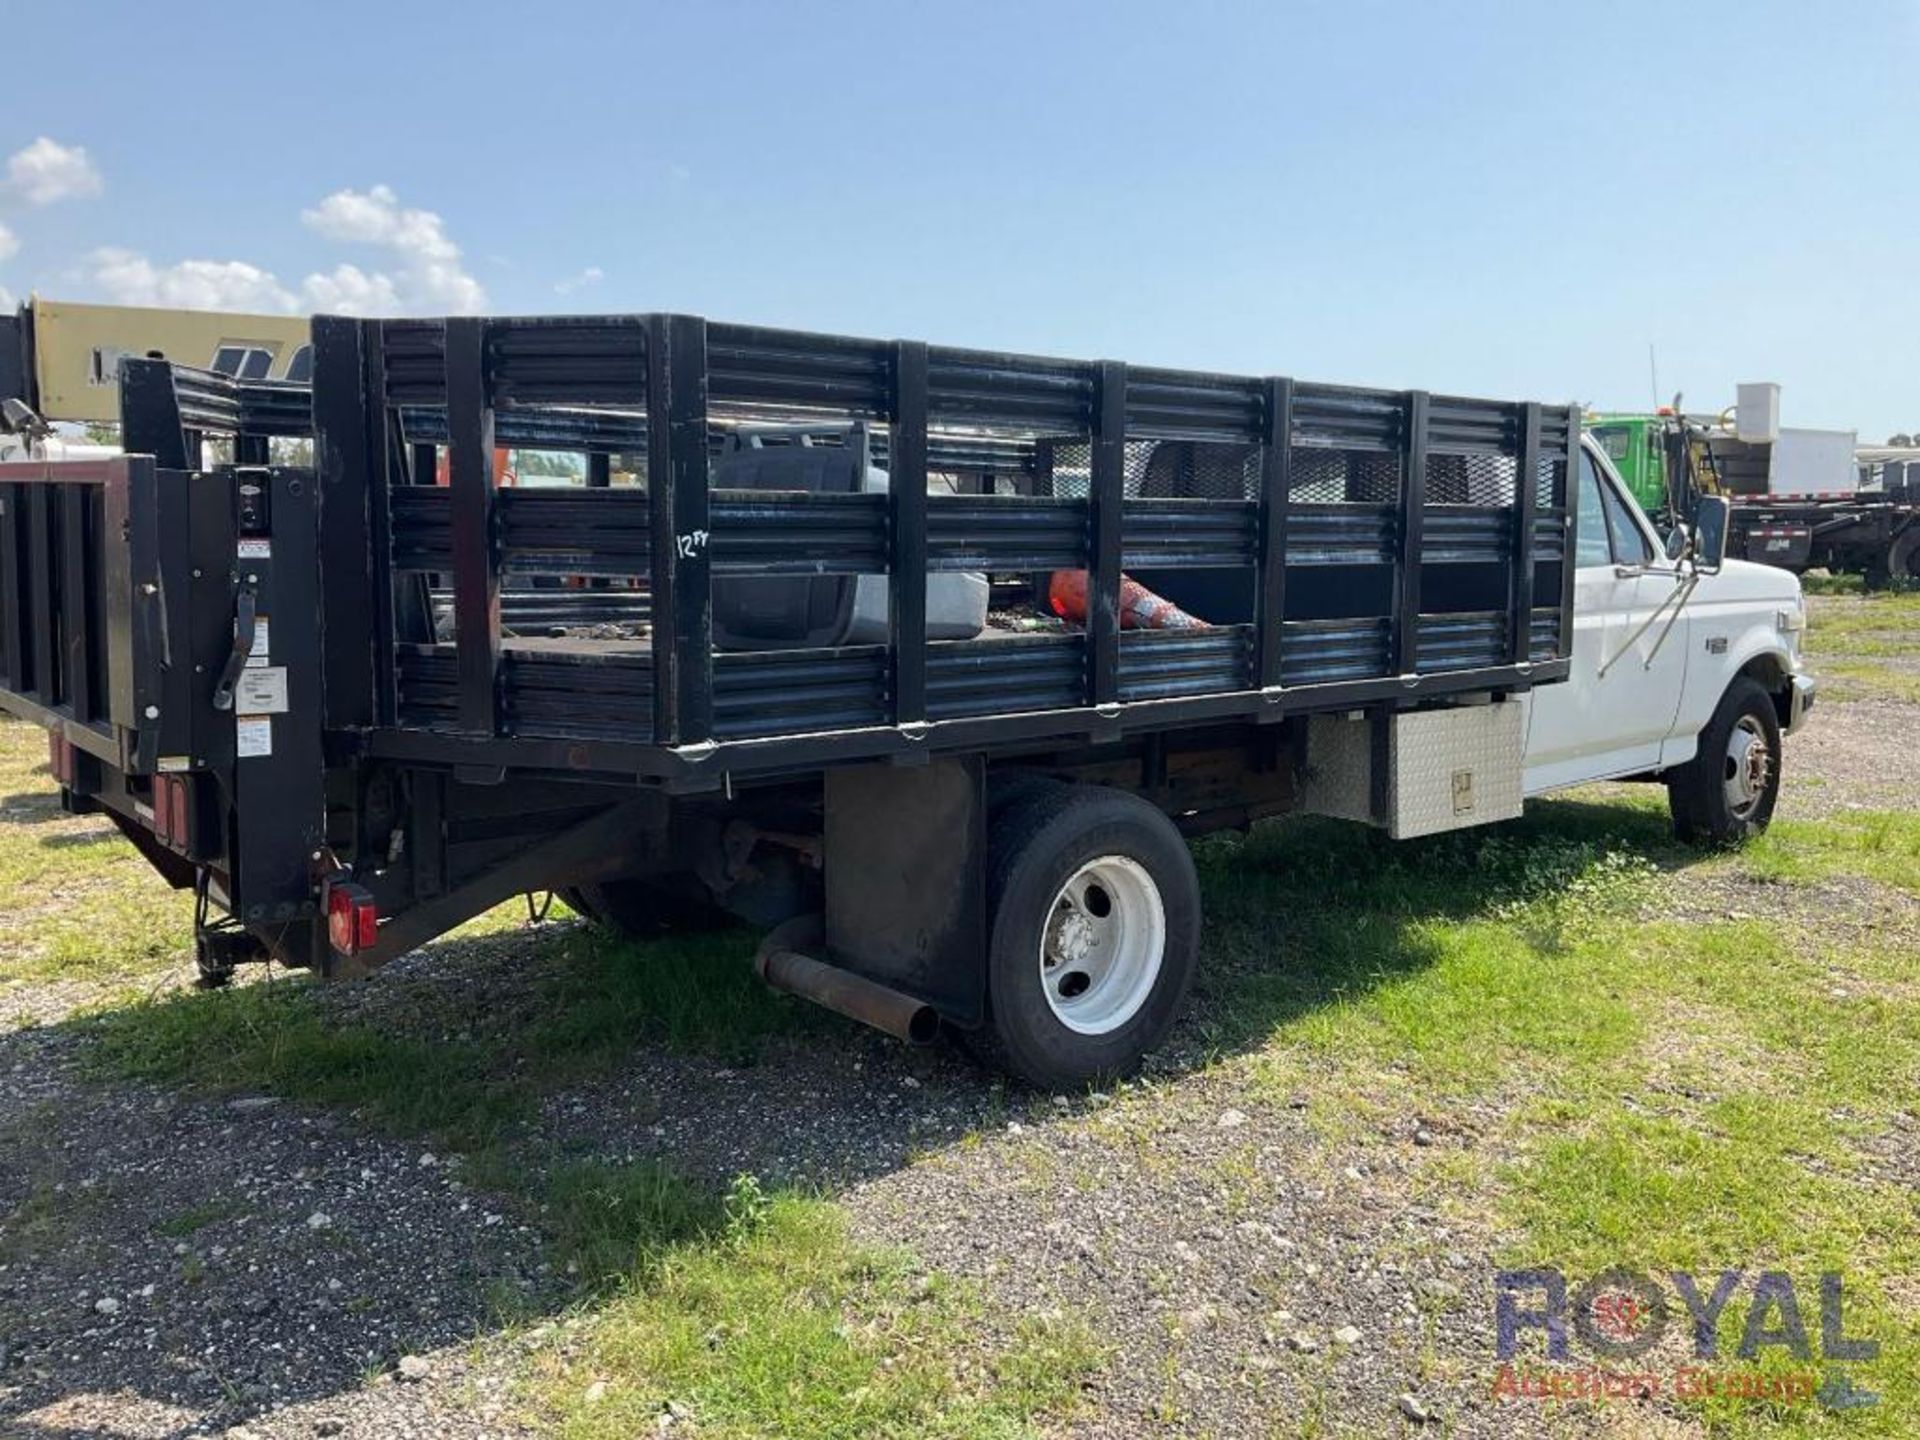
[261,636]
[253,736]
[256,550]
[261,691]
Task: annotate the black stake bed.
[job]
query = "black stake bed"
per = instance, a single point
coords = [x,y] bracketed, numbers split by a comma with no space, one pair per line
[426,649]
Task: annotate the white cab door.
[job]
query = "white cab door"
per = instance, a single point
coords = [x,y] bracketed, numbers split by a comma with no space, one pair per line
[1629,654]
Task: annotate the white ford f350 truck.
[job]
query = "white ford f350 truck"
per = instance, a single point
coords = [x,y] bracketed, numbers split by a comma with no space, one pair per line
[1686,666]
[1414,611]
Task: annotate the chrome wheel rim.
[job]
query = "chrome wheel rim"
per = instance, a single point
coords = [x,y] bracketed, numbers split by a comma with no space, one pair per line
[1101,951]
[1749,767]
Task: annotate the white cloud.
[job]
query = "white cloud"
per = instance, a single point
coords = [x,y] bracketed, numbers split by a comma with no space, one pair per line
[592,275]
[130,278]
[427,274]
[425,277]
[46,172]
[9,242]
[349,290]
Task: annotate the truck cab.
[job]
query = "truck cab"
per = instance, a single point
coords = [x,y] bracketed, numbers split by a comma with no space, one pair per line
[1686,667]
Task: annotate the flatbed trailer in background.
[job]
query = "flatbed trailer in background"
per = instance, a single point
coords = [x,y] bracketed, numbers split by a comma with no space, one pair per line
[243,664]
[1871,529]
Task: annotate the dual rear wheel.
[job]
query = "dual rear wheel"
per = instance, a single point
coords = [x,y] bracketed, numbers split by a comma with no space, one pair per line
[1093,928]
[1093,931]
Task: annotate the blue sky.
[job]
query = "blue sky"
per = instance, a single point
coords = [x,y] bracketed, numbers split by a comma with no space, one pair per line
[1491,199]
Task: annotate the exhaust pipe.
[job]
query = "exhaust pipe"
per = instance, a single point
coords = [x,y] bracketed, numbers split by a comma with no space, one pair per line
[783,966]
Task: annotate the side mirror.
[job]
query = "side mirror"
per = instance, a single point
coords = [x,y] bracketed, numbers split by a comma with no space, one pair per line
[1678,539]
[1711,516]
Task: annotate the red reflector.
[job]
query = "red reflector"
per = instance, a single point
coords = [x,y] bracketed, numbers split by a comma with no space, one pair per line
[171,811]
[60,757]
[182,827]
[353,920]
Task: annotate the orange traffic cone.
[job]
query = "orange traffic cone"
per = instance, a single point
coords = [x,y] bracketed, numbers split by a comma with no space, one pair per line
[1140,608]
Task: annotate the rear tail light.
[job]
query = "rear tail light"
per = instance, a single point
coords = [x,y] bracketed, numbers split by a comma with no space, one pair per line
[173,810]
[353,920]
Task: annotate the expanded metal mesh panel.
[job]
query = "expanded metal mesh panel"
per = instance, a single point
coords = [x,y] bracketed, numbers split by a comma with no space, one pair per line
[1193,470]
[1478,479]
[1072,462]
[1344,477]
[1550,482]
[1164,469]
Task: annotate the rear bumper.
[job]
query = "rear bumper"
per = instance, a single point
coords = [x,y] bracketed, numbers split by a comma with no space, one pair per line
[1805,689]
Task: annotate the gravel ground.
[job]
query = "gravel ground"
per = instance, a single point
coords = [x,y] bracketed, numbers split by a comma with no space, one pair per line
[172,1265]
[1856,752]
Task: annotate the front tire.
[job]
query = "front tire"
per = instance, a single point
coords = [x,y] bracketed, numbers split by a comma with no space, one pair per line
[1725,795]
[1094,916]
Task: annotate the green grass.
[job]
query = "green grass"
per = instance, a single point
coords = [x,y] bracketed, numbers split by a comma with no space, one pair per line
[1820,583]
[1867,648]
[1854,680]
[274,1038]
[451,1069]
[1880,845]
[1876,627]
[51,1216]
[1701,1093]
[759,1316]
[1451,952]
[197,1217]
[82,903]
[697,993]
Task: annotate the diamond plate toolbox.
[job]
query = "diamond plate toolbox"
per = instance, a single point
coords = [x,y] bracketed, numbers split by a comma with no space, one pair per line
[1446,769]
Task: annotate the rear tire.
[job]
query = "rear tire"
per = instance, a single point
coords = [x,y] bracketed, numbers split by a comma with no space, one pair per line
[1903,559]
[1094,929]
[646,909]
[1725,795]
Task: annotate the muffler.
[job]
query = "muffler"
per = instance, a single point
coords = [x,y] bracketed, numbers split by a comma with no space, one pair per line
[782,962]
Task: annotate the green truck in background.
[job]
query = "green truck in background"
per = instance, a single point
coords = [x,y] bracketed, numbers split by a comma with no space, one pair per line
[1636,444]
[1801,499]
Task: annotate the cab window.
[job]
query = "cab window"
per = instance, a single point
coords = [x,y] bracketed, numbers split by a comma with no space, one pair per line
[1594,547]
[1630,545]
[1608,534]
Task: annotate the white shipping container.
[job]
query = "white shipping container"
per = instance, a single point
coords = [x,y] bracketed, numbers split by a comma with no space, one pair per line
[1814,462]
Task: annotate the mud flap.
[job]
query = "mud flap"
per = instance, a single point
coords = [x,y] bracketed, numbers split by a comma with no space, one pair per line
[906,880]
